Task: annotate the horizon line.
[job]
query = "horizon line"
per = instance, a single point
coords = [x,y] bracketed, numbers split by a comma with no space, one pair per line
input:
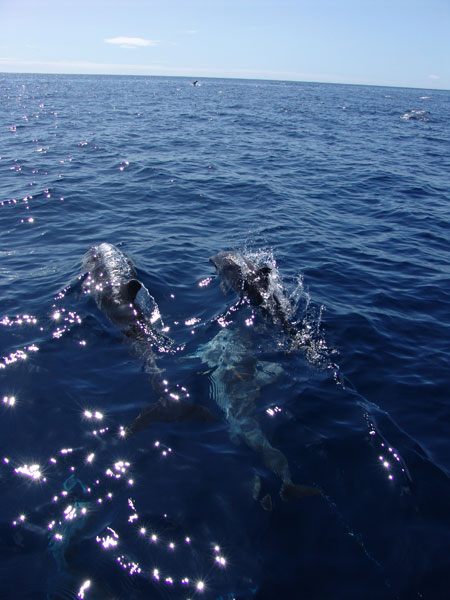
[248,78]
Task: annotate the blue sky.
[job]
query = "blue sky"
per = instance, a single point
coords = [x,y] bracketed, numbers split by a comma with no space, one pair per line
[380,42]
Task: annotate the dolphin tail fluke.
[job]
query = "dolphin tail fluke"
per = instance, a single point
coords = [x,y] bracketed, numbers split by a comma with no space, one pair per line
[170,411]
[291,491]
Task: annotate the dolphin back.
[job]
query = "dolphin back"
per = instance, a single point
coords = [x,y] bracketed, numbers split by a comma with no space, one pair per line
[112,282]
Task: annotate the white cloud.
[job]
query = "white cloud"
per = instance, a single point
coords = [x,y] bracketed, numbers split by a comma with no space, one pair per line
[433,77]
[131,42]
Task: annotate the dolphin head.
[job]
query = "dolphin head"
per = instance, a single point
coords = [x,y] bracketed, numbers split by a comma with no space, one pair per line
[230,269]
[242,275]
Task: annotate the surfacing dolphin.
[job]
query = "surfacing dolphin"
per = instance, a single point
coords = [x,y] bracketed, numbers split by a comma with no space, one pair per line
[111,280]
[242,275]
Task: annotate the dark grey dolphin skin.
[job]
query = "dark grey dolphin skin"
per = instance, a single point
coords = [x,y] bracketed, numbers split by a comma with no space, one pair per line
[111,280]
[240,274]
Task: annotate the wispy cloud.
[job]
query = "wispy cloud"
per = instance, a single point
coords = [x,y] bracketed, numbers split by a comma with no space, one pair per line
[10,65]
[433,77]
[131,42]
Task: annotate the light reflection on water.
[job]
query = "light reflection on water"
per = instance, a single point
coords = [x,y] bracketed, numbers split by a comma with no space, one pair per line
[136,547]
[98,505]
[71,513]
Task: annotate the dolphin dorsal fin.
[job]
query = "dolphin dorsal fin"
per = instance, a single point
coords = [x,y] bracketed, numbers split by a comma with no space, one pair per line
[133,286]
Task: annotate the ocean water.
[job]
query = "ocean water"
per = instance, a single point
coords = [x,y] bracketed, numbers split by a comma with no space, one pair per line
[344,191]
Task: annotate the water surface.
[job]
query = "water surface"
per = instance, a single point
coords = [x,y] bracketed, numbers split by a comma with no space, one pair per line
[345,189]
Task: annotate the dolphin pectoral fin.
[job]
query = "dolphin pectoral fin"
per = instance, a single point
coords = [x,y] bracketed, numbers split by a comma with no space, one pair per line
[133,286]
[291,491]
[173,411]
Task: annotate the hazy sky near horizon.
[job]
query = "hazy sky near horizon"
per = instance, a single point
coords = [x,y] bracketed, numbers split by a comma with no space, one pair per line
[380,42]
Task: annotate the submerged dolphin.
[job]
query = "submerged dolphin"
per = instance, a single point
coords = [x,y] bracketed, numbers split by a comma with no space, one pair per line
[236,379]
[111,280]
[242,275]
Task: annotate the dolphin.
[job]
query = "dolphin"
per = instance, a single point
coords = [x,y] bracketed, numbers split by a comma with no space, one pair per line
[241,274]
[111,280]
[236,378]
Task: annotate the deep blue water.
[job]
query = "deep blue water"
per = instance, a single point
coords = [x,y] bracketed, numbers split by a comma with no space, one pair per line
[347,189]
